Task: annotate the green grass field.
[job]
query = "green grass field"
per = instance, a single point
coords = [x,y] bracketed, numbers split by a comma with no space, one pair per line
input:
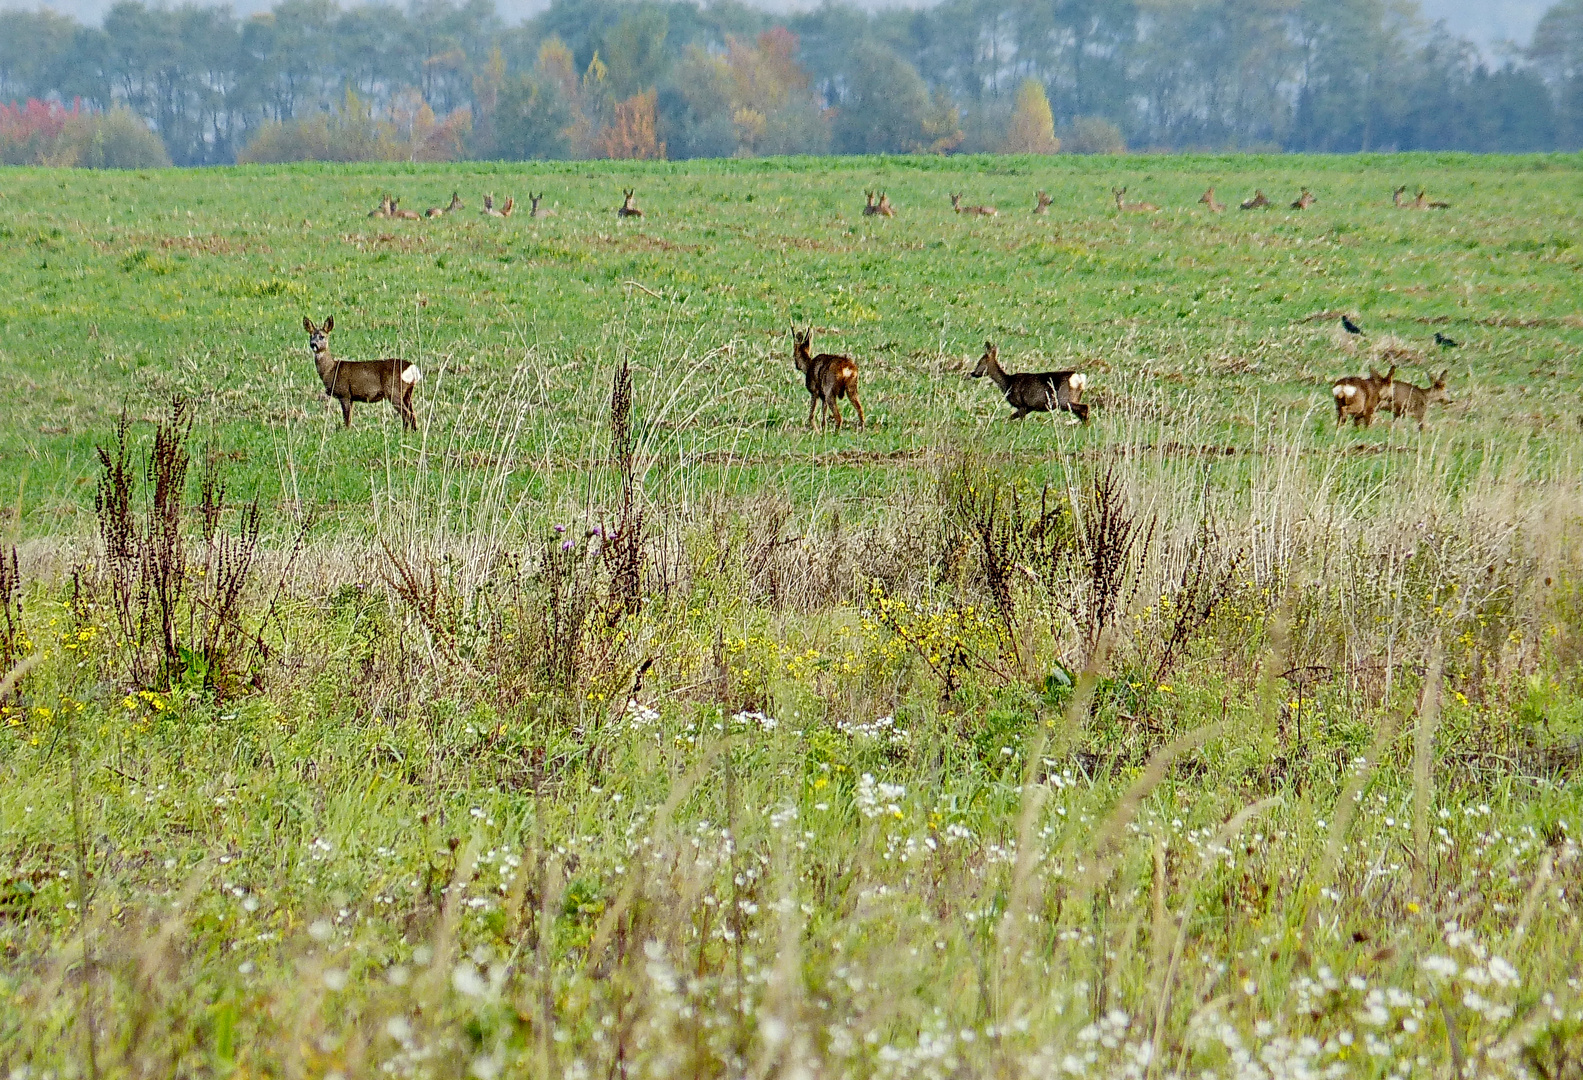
[567,739]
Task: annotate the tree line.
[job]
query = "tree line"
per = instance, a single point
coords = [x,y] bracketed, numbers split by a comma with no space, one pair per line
[442,79]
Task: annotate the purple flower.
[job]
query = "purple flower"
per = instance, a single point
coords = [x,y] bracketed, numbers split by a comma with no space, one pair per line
[560,528]
[566,545]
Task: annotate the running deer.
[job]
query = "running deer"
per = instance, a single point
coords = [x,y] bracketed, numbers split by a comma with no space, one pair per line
[1257,202]
[972,211]
[441,211]
[1045,392]
[1209,200]
[1415,400]
[347,381]
[385,208]
[535,210]
[629,204]
[1304,200]
[1131,207]
[885,208]
[829,377]
[1044,203]
[1357,396]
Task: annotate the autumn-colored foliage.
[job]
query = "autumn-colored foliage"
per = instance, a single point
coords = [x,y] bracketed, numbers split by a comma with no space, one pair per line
[631,132]
[1032,129]
[28,133]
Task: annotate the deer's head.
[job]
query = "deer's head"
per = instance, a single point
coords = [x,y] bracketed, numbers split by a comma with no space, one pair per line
[1208,196]
[319,336]
[800,343]
[987,362]
[1437,390]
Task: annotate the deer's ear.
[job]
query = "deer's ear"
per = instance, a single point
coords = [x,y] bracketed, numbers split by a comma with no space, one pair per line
[1443,375]
[329,324]
[307,324]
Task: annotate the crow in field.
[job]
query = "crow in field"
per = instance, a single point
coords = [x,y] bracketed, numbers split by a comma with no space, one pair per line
[1445,342]
[1349,326]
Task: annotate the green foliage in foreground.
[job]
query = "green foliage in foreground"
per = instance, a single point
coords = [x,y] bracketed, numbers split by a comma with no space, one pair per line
[1198,740]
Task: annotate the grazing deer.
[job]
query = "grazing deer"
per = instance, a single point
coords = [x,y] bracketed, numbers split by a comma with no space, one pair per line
[347,381]
[535,210]
[441,211]
[1415,400]
[1044,203]
[629,205]
[885,208]
[404,215]
[1131,207]
[972,211]
[1045,392]
[386,207]
[829,377]
[1258,202]
[1209,200]
[1304,200]
[1357,397]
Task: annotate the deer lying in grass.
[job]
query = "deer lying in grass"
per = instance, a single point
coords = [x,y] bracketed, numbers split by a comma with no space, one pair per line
[503,210]
[1044,202]
[1258,202]
[405,215]
[1357,396]
[1304,200]
[1414,401]
[828,377]
[1209,200]
[1423,203]
[534,209]
[1131,207]
[870,204]
[386,207]
[885,208]
[362,380]
[972,211]
[629,205]
[1046,391]
[441,211]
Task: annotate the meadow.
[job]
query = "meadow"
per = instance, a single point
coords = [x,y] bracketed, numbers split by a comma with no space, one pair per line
[616,724]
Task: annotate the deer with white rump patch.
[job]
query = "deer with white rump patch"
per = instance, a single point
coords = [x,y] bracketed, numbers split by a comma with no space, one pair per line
[828,377]
[1357,396]
[347,381]
[1045,391]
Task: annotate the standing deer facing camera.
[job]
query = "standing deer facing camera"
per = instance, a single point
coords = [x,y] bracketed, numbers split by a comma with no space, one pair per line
[1046,391]
[829,377]
[1357,397]
[362,380]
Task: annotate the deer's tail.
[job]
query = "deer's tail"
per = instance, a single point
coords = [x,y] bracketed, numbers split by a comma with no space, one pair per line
[410,374]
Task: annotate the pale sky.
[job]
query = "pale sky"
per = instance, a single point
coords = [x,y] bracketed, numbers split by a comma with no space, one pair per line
[1487,22]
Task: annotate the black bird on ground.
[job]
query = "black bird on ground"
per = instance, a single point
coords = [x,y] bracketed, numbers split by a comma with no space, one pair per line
[1445,342]
[1349,326]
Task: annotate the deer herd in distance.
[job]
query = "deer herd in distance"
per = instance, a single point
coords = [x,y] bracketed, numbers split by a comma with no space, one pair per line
[829,377]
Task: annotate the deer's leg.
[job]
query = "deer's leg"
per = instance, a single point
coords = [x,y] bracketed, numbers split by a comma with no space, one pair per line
[1022,410]
[813,403]
[346,411]
[851,395]
[833,403]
